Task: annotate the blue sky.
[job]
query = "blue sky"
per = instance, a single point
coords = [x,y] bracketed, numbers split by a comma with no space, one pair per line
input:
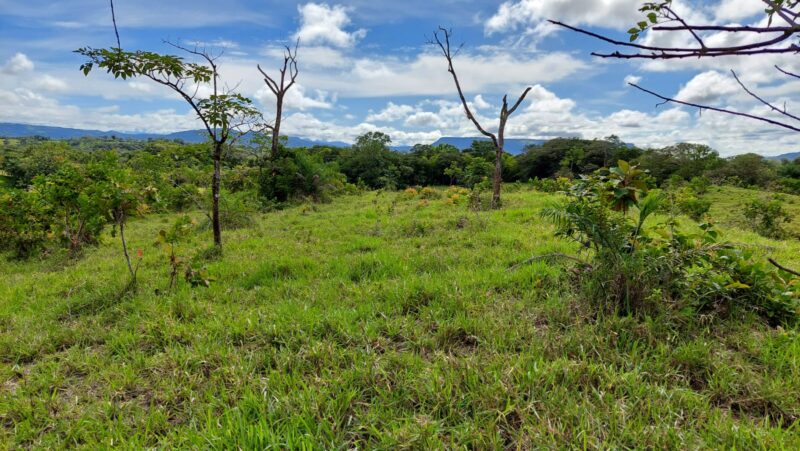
[365,66]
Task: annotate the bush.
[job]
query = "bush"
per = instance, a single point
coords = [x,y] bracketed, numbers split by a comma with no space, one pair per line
[767,217]
[236,210]
[551,185]
[691,205]
[297,175]
[429,193]
[24,223]
[634,269]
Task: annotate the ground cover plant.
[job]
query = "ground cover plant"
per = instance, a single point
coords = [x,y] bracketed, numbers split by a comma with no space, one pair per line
[379,320]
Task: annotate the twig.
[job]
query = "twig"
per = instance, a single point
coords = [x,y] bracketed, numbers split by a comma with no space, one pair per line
[783,268]
[114,21]
[721,110]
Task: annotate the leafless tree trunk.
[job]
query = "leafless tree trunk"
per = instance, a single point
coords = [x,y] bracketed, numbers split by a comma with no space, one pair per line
[441,38]
[279,87]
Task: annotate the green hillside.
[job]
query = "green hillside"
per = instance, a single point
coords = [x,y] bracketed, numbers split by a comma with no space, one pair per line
[376,321]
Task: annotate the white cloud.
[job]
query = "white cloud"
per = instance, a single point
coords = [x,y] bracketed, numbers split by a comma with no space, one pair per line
[532,14]
[426,74]
[732,10]
[324,24]
[391,113]
[17,64]
[26,106]
[424,119]
[296,99]
[50,83]
[635,79]
[708,87]
[480,103]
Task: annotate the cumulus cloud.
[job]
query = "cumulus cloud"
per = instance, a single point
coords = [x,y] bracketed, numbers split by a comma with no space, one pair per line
[708,87]
[391,113]
[17,64]
[321,23]
[296,99]
[533,14]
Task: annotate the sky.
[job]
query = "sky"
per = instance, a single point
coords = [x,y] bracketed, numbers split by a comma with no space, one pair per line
[366,65]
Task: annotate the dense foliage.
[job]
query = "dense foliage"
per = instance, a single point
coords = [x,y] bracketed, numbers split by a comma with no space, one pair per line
[636,268]
[54,189]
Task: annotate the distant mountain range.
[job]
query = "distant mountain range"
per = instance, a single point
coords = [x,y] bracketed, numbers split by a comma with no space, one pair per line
[512,145]
[9,130]
[787,156]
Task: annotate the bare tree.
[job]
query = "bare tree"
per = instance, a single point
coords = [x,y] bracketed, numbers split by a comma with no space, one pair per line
[774,39]
[441,38]
[225,115]
[288,77]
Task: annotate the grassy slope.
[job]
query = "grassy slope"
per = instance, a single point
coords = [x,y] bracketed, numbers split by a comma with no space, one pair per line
[728,201]
[359,324]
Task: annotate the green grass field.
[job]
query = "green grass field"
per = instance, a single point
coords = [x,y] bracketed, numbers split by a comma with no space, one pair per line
[377,322]
[727,203]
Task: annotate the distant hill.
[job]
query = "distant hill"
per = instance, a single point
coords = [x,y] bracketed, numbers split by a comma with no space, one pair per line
[10,130]
[512,145]
[787,156]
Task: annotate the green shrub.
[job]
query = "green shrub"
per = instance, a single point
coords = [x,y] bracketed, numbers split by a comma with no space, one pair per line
[24,223]
[236,210]
[636,269]
[691,205]
[549,185]
[767,217]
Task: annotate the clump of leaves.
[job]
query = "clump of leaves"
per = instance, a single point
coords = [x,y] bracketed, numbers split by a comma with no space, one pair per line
[767,217]
[636,268]
[198,277]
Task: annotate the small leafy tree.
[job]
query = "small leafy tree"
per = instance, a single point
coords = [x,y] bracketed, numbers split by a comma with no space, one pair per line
[225,115]
[74,200]
[168,241]
[122,199]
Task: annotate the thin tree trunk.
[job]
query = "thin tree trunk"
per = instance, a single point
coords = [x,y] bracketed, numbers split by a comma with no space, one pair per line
[276,130]
[121,223]
[215,187]
[497,180]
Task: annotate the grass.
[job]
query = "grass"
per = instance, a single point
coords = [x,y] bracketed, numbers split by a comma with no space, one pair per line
[376,321]
[728,202]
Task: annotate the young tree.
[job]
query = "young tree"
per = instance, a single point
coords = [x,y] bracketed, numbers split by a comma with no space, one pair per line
[441,38]
[662,17]
[279,87]
[225,115]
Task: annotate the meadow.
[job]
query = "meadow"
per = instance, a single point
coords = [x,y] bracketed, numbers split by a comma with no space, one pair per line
[380,321]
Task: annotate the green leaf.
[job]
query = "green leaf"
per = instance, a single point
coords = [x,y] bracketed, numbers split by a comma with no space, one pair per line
[653,18]
[737,285]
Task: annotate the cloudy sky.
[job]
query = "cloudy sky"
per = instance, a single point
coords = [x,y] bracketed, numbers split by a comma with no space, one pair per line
[365,65]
